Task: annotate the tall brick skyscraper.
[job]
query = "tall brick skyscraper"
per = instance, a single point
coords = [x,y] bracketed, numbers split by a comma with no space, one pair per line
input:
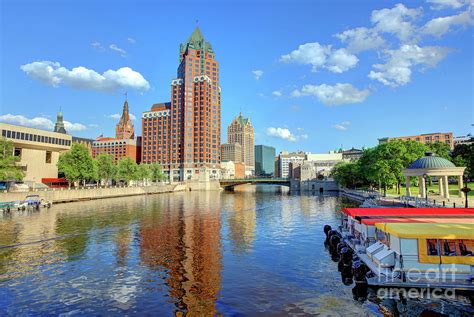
[184,135]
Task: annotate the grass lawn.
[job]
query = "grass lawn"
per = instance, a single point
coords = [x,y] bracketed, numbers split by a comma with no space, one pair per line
[453,190]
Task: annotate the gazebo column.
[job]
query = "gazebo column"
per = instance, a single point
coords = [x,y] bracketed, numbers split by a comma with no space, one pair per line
[407,185]
[460,186]
[446,187]
[421,186]
[440,186]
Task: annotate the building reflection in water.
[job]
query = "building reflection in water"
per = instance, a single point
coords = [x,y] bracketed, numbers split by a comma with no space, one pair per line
[242,219]
[182,236]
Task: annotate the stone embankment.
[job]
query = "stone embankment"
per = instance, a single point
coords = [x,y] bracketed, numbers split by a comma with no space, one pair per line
[63,195]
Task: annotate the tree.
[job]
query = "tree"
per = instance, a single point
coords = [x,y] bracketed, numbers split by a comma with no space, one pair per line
[143,172]
[106,169]
[156,172]
[77,164]
[8,168]
[127,169]
[463,155]
[440,149]
[347,174]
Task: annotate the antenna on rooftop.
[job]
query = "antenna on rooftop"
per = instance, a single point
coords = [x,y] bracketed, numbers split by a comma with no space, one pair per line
[126,96]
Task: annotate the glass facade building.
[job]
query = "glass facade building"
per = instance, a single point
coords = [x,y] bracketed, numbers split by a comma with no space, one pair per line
[264,160]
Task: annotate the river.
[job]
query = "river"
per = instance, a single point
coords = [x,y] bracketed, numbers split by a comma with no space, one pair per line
[256,251]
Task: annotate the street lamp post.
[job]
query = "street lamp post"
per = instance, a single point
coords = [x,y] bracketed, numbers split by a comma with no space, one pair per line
[426,187]
[466,190]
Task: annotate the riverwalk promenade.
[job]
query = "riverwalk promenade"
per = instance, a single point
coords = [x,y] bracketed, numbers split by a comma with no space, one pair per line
[63,195]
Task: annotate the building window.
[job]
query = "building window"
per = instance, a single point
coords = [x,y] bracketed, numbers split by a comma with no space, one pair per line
[48,157]
[17,152]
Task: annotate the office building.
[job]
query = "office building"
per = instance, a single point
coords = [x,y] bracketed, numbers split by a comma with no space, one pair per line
[124,144]
[184,135]
[231,152]
[241,131]
[446,137]
[285,158]
[38,150]
[264,160]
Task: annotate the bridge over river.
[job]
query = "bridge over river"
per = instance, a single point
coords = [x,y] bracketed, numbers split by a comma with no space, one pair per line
[229,184]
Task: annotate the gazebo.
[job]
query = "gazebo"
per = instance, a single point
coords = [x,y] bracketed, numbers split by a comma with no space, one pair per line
[432,165]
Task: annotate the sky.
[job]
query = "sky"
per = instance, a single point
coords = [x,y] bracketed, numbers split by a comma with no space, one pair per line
[311,75]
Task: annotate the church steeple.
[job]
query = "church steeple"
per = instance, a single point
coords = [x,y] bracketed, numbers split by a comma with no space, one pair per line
[125,129]
[59,125]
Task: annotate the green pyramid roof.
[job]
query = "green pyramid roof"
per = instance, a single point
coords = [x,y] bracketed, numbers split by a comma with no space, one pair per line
[196,41]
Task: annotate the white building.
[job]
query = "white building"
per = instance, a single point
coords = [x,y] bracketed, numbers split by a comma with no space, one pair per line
[227,170]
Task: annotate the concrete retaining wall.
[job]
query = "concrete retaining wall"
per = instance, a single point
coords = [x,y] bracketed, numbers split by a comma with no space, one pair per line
[67,195]
[314,186]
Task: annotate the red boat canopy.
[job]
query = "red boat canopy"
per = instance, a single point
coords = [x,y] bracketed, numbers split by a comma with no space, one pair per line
[462,220]
[408,212]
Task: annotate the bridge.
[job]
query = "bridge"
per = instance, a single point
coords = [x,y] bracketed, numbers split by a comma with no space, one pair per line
[229,184]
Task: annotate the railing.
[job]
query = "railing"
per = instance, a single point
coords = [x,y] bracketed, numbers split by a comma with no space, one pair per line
[365,193]
[423,202]
[49,189]
[255,180]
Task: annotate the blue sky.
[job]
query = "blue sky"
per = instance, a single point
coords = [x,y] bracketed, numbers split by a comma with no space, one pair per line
[312,75]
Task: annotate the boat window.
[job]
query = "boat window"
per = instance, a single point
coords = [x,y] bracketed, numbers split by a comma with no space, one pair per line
[381,236]
[432,247]
[466,247]
[448,247]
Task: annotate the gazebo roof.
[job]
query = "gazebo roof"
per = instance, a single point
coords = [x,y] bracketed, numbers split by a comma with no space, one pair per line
[431,161]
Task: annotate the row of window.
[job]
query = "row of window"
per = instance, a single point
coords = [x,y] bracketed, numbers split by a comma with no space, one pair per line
[34,137]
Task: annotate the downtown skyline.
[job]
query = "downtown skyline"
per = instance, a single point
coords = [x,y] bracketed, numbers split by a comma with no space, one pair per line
[311,85]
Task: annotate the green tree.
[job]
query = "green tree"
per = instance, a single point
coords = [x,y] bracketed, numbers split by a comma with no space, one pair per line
[127,169]
[463,155]
[106,169]
[77,164]
[143,172]
[156,172]
[347,174]
[8,168]
[440,149]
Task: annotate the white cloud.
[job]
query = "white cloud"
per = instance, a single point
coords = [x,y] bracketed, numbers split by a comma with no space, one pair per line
[303,136]
[447,4]
[117,116]
[343,126]
[277,93]
[117,49]
[397,70]
[338,94]
[341,60]
[361,39]
[321,56]
[97,46]
[39,122]
[442,25]
[281,133]
[131,40]
[397,20]
[74,126]
[257,73]
[52,73]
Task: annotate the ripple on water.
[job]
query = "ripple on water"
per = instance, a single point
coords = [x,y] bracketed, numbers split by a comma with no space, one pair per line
[204,253]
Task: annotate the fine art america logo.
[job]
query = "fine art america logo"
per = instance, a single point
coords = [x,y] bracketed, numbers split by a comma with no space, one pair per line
[416,284]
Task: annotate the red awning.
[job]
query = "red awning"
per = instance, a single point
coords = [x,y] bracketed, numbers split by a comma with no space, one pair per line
[409,212]
[462,219]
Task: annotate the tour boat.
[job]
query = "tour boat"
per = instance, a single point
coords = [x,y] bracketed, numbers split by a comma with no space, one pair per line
[405,247]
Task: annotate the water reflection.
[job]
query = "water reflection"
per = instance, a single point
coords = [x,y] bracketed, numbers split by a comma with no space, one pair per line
[187,244]
[257,250]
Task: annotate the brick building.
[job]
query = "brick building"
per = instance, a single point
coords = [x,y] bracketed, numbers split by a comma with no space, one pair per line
[124,144]
[241,131]
[184,135]
[446,137]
